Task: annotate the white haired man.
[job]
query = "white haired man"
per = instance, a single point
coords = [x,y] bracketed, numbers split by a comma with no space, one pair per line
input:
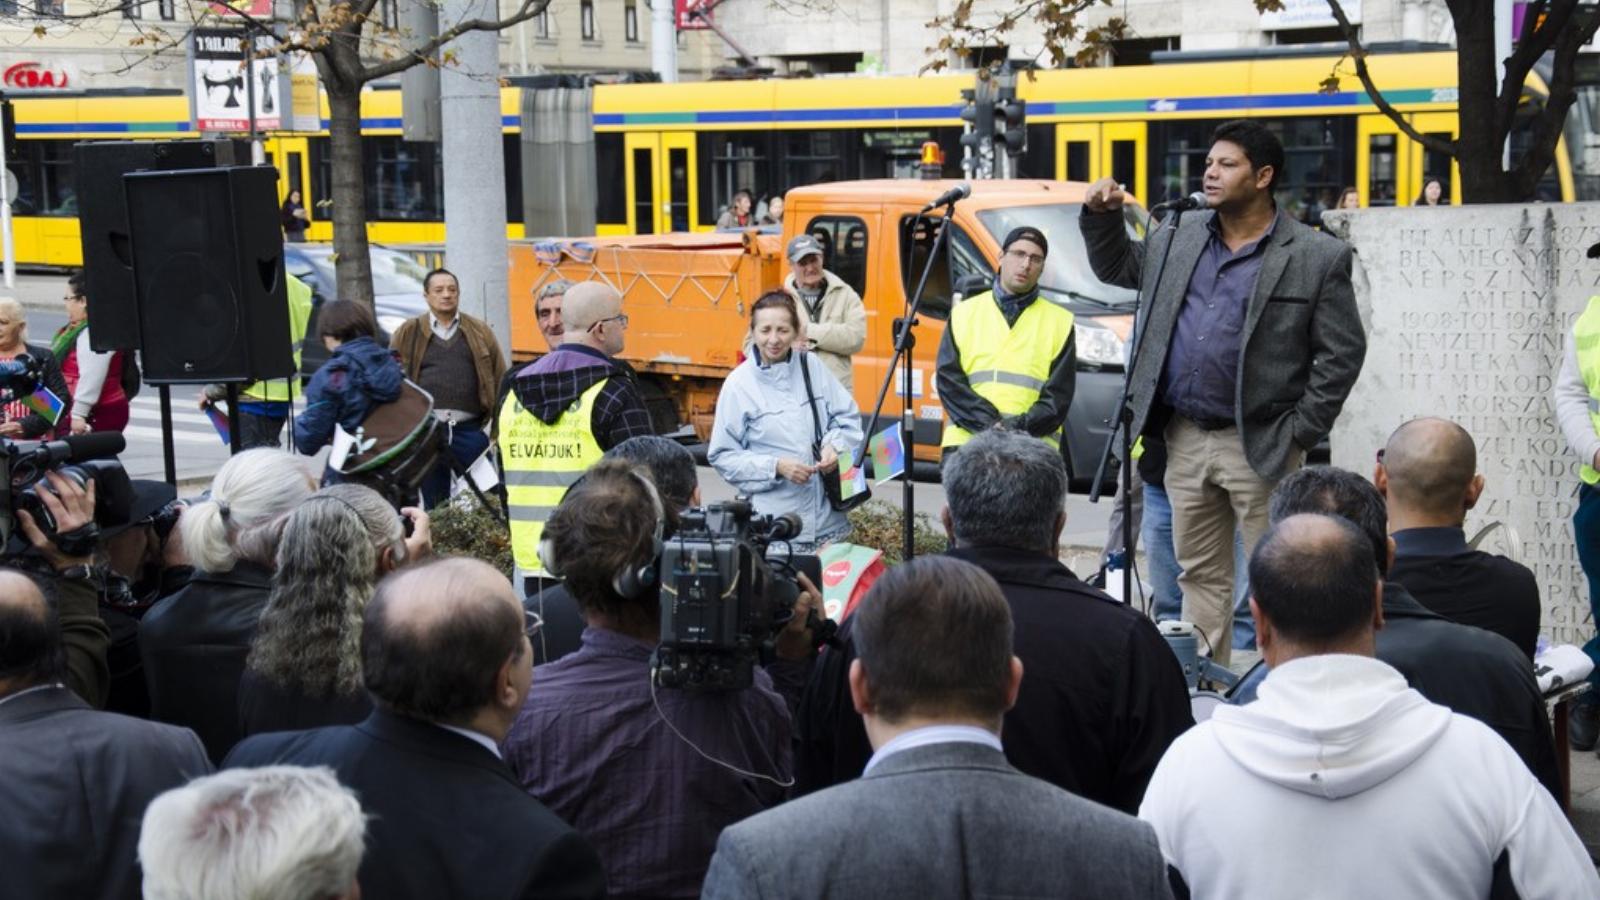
[274,833]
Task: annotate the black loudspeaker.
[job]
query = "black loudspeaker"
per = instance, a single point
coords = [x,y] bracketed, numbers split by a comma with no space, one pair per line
[98,168]
[208,266]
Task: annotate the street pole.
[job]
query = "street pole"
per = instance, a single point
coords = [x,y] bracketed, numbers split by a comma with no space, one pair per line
[7,245]
[474,166]
[664,40]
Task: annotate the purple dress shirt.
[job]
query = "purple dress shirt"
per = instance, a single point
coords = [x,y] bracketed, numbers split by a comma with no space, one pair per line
[1202,373]
[590,745]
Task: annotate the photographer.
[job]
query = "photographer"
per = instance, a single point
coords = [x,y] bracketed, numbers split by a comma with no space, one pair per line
[595,729]
[69,557]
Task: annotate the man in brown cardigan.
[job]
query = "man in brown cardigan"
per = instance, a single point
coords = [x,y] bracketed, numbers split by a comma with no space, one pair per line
[457,359]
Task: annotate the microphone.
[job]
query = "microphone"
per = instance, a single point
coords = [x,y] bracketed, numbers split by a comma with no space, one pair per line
[1196,200]
[960,192]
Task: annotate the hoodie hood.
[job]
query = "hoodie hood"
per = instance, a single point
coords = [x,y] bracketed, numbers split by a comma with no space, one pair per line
[550,385]
[1330,726]
[371,369]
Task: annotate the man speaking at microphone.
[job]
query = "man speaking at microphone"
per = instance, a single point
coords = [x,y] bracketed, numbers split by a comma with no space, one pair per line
[1252,344]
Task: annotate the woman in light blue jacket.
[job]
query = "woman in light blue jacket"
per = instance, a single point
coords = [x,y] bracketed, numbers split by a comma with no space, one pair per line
[762,440]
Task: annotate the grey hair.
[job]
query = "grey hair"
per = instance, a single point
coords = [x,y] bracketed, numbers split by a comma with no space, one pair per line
[554,288]
[243,518]
[273,833]
[309,637]
[1006,489]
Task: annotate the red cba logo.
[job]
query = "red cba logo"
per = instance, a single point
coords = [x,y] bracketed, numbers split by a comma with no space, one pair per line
[836,573]
[30,75]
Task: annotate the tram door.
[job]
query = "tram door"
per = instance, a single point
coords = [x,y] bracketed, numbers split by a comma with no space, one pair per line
[289,155]
[1087,151]
[1383,166]
[660,174]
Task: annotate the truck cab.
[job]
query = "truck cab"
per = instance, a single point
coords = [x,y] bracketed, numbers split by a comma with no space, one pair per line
[874,239]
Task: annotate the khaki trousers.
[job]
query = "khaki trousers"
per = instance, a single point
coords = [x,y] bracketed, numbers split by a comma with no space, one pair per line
[1213,490]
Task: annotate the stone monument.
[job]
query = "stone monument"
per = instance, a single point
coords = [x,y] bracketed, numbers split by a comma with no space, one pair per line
[1467,311]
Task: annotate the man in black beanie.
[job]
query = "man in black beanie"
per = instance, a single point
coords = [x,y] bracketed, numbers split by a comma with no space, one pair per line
[1008,360]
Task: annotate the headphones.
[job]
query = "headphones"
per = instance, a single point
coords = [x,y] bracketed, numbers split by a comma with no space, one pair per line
[631,580]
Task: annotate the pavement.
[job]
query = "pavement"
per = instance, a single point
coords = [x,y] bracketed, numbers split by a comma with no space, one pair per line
[200,452]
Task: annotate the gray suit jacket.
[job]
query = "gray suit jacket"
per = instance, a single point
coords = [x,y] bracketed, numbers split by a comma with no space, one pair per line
[1303,343]
[943,820]
[74,783]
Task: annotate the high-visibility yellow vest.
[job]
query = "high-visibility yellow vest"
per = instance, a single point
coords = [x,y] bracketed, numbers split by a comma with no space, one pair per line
[1007,365]
[540,462]
[1586,341]
[282,390]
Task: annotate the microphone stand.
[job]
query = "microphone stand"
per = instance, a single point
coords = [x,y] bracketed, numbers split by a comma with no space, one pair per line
[1124,427]
[904,342]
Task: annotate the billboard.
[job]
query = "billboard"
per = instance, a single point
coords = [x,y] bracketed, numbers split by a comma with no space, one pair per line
[223,91]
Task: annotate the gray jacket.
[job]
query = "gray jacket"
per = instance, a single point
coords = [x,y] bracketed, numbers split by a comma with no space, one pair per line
[950,820]
[1303,343]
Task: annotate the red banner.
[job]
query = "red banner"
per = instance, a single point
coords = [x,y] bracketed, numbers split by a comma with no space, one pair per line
[255,9]
[684,12]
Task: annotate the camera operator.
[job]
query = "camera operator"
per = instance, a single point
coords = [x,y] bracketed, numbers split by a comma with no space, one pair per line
[65,564]
[596,729]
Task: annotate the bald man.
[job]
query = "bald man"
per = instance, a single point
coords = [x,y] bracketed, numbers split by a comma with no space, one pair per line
[1429,477]
[446,657]
[560,413]
[74,781]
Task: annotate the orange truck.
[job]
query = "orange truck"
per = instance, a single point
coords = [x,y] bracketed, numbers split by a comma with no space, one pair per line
[688,296]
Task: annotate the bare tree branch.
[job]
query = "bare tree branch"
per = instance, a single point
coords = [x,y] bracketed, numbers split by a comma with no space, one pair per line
[1562,94]
[427,49]
[1358,54]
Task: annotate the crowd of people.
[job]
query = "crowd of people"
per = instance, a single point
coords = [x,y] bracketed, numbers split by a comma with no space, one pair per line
[303,700]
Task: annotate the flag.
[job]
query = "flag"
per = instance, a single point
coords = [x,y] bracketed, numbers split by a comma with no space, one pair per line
[852,480]
[219,421]
[45,403]
[888,453]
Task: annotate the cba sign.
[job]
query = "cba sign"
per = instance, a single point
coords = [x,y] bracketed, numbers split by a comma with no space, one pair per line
[32,76]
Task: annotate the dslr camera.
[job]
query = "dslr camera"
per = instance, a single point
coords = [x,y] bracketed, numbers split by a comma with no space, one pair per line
[723,600]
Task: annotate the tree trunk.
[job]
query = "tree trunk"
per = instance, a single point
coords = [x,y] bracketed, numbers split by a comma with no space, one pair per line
[1483,179]
[353,264]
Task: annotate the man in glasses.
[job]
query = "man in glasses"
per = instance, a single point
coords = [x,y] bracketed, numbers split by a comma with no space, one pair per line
[561,412]
[1007,360]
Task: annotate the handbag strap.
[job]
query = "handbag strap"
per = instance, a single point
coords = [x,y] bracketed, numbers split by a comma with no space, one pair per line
[811,400]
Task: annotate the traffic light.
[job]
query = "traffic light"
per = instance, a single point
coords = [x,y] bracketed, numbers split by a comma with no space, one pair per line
[979,113]
[1011,120]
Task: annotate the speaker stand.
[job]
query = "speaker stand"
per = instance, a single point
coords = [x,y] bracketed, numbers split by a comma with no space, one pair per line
[169,454]
[233,417]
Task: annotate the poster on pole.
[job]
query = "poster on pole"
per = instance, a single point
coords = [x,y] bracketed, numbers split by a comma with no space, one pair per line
[223,92]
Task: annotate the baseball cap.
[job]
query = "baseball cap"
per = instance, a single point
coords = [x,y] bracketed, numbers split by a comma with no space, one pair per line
[803,246]
[1026,233]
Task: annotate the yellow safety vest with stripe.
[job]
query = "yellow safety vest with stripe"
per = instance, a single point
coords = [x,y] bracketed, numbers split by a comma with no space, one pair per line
[1007,365]
[1586,342]
[540,462]
[282,390]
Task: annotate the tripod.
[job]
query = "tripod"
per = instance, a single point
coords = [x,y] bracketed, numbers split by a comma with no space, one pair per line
[904,343]
[1124,413]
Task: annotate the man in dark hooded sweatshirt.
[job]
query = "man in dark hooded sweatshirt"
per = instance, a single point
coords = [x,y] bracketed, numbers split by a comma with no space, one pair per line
[561,413]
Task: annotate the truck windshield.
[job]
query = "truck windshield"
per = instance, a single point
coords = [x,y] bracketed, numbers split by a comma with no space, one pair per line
[1066,269]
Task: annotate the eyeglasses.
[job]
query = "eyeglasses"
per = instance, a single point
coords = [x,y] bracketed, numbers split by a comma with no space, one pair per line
[621,319]
[531,622]
[1032,259]
[71,297]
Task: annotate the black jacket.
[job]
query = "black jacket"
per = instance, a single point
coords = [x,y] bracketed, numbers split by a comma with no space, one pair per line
[193,645]
[446,817]
[1474,672]
[1469,586]
[265,705]
[1102,694]
[74,784]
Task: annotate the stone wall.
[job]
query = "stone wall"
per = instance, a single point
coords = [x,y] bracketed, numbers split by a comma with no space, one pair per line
[1467,311]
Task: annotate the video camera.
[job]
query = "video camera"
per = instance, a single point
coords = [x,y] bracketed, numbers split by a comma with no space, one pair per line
[82,458]
[722,599]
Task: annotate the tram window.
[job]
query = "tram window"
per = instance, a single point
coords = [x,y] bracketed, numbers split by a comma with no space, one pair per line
[405,180]
[611,202]
[1078,161]
[1125,161]
[1436,165]
[731,161]
[814,157]
[56,184]
[1316,165]
[644,195]
[513,154]
[1040,160]
[678,188]
[1381,169]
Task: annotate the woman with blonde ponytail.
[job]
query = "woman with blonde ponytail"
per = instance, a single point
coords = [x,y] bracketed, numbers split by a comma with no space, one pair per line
[193,643]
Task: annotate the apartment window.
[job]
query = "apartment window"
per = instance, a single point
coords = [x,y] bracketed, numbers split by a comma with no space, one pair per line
[541,25]
[389,13]
[586,12]
[168,9]
[630,21]
[133,9]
